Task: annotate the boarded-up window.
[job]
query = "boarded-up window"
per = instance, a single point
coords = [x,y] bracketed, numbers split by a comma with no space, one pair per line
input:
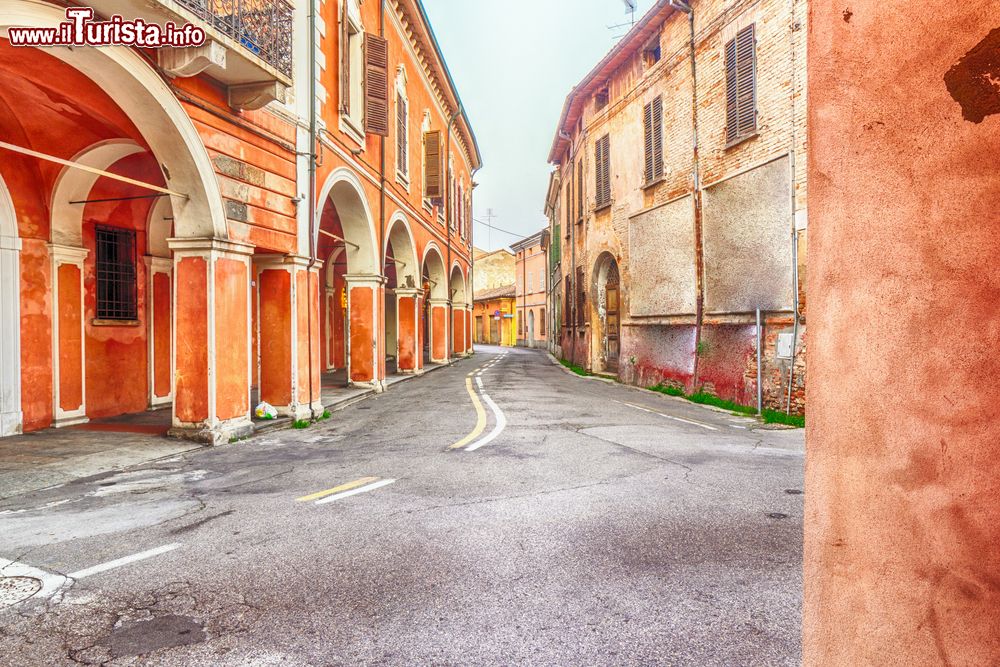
[602,172]
[376,85]
[741,86]
[652,125]
[402,138]
[433,164]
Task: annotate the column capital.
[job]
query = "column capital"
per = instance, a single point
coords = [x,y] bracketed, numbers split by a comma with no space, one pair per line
[10,243]
[364,279]
[439,302]
[159,264]
[206,246]
[408,291]
[65,254]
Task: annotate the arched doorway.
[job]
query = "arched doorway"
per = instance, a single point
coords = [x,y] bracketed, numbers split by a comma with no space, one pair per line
[10,318]
[434,317]
[531,328]
[609,311]
[346,230]
[402,298]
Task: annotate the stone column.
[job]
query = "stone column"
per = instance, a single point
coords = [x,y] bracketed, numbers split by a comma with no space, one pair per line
[11,418]
[366,339]
[439,330]
[407,330]
[285,288]
[211,339]
[469,343]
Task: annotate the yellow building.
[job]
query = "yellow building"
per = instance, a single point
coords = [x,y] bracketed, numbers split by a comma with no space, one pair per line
[494,317]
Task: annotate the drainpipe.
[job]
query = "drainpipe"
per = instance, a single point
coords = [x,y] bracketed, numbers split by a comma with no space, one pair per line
[381,209]
[472,251]
[760,366]
[795,233]
[313,227]
[685,6]
[447,222]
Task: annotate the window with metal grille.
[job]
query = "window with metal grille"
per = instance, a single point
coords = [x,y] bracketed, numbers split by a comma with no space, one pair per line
[117,294]
[741,86]
[602,172]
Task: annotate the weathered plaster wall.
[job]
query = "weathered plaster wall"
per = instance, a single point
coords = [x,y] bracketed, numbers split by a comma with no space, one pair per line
[493,270]
[902,522]
[662,258]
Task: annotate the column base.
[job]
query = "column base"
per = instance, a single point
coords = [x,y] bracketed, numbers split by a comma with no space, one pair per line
[219,434]
[377,385]
[63,422]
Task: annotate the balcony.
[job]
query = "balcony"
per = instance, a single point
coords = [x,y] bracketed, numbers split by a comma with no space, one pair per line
[249,45]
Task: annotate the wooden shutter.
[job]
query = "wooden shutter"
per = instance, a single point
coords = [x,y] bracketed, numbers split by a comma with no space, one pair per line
[602,172]
[345,61]
[579,190]
[376,85]
[569,201]
[741,85]
[432,165]
[647,136]
[402,120]
[652,124]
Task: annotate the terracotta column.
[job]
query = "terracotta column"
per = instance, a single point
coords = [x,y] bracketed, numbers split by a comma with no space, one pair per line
[439,330]
[468,330]
[902,522]
[211,339]
[159,306]
[69,388]
[458,330]
[366,339]
[285,286]
[407,330]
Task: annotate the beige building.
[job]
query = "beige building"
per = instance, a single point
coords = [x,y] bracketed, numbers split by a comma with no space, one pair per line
[679,200]
[492,269]
[531,288]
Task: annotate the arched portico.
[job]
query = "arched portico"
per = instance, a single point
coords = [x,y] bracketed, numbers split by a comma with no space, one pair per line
[460,311]
[345,222]
[10,317]
[436,305]
[403,296]
[137,117]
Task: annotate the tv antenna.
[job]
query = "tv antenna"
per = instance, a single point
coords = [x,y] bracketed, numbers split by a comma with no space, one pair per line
[630,7]
[489,227]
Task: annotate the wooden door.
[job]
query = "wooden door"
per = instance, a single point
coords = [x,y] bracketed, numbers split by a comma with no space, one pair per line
[613,322]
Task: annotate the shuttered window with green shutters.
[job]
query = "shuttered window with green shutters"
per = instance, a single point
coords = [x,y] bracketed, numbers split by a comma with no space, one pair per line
[741,86]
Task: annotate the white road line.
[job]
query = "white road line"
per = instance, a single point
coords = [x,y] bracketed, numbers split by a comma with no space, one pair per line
[678,419]
[354,492]
[501,420]
[110,565]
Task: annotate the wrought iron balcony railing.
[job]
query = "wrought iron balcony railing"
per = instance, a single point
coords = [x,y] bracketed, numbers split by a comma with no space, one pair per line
[263,27]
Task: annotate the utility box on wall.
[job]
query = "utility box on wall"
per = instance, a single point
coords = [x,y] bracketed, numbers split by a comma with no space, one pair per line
[786,345]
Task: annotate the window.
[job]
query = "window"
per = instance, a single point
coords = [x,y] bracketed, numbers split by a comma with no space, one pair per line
[651,54]
[568,291]
[569,202]
[741,86]
[541,281]
[541,325]
[602,172]
[602,98]
[652,125]
[352,67]
[425,128]
[579,190]
[433,164]
[402,129]
[581,298]
[117,295]
[531,283]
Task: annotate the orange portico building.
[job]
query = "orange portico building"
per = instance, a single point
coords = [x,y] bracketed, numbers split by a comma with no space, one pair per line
[283,207]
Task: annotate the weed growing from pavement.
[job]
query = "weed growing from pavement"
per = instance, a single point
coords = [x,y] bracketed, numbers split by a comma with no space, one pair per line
[704,398]
[302,424]
[576,369]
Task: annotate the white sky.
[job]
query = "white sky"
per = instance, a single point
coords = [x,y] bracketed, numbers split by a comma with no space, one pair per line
[514,62]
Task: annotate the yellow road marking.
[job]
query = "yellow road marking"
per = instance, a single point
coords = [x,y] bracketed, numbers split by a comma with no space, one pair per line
[480,418]
[337,489]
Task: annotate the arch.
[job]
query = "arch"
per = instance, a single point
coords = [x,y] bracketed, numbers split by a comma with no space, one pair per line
[144,97]
[344,189]
[531,327]
[10,317]
[331,266]
[433,268]
[607,287]
[459,293]
[75,184]
[404,250]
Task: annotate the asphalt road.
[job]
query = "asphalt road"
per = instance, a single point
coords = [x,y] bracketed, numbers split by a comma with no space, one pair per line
[601,526]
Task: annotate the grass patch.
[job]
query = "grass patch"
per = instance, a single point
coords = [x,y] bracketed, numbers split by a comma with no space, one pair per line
[775,417]
[302,424]
[576,369]
[669,390]
[323,417]
[708,399]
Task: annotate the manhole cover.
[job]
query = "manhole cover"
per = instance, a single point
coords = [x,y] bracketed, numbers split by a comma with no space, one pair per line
[777,515]
[17,589]
[794,492]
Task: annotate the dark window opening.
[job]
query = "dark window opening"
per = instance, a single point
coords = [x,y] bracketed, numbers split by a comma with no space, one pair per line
[652,53]
[602,98]
[117,293]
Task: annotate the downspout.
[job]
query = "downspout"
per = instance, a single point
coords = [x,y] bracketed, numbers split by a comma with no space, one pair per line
[472,252]
[313,227]
[795,233]
[572,250]
[381,212]
[684,6]
[447,222]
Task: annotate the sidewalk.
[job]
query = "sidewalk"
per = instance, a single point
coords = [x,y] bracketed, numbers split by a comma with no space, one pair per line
[52,457]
